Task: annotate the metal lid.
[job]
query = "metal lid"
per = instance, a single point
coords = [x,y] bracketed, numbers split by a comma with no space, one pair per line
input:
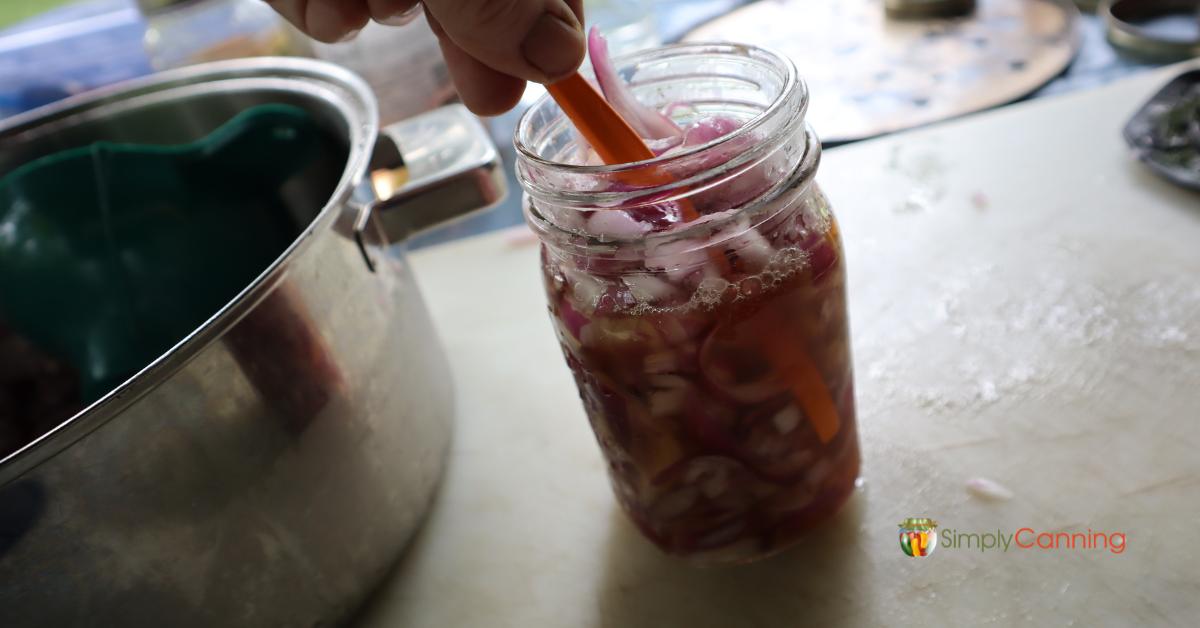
[1127,30]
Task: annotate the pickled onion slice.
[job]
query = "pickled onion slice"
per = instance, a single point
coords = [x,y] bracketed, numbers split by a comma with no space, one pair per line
[710,422]
[649,289]
[708,129]
[664,145]
[707,504]
[649,123]
[745,361]
[616,224]
[736,369]
[571,317]
[779,444]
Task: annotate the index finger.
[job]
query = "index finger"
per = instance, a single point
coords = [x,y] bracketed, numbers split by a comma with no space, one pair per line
[324,20]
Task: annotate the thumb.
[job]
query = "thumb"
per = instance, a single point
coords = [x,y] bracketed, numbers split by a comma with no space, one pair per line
[536,40]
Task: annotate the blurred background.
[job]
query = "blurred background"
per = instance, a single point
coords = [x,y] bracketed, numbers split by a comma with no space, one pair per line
[874,66]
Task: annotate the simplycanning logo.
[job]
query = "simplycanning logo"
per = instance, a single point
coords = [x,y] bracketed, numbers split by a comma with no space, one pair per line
[919,537]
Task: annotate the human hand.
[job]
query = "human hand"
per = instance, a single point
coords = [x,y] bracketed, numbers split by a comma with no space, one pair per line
[492,47]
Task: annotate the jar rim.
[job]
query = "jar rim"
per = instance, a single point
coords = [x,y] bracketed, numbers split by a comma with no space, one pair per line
[792,87]
[784,113]
[567,240]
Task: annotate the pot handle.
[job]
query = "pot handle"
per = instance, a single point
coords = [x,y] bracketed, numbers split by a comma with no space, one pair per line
[425,171]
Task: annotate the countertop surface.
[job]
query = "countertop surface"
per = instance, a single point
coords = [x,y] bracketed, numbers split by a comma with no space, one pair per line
[1025,304]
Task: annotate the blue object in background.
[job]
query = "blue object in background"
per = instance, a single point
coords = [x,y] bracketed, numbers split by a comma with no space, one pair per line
[70,50]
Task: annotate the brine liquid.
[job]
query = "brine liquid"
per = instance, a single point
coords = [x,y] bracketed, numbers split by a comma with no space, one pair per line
[723,402]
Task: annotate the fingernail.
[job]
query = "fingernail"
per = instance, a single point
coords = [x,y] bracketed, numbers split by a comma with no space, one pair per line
[348,36]
[404,17]
[553,46]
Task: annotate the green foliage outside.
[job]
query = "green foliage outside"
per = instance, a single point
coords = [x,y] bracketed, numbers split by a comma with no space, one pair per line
[12,11]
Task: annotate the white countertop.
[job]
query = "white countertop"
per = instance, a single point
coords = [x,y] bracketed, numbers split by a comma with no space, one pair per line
[1025,303]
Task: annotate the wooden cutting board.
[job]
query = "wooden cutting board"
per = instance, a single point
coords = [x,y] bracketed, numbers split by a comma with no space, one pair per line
[1025,303]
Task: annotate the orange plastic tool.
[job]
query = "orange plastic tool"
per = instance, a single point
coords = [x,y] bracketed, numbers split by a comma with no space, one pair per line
[609,134]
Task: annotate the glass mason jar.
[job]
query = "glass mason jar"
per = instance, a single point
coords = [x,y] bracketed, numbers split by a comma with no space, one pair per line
[712,356]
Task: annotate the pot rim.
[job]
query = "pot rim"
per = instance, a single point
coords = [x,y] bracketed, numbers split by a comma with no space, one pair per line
[345,91]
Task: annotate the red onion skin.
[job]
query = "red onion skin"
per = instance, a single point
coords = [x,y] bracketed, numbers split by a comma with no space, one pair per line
[649,123]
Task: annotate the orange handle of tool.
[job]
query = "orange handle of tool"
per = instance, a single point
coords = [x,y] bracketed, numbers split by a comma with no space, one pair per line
[608,133]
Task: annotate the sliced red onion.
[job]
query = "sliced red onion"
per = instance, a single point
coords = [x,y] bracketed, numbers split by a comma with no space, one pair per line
[670,393]
[571,220]
[660,362]
[624,476]
[744,187]
[723,481]
[674,504]
[988,489]
[613,412]
[748,245]
[711,474]
[749,392]
[710,422]
[664,145]
[708,129]
[778,458]
[666,403]
[586,288]
[735,366]
[589,337]
[704,503]
[817,475]
[822,255]
[678,258]
[660,216]
[669,382]
[753,248]
[670,109]
[654,447]
[650,290]
[721,535]
[724,378]
[572,319]
[778,444]
[673,330]
[648,123]
[625,335]
[615,223]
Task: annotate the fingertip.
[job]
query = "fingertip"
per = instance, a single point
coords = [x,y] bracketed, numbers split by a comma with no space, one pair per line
[497,102]
[331,21]
[537,41]
[483,90]
[394,12]
[555,46]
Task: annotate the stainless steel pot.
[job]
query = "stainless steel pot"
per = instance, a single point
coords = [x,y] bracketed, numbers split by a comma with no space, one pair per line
[269,468]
